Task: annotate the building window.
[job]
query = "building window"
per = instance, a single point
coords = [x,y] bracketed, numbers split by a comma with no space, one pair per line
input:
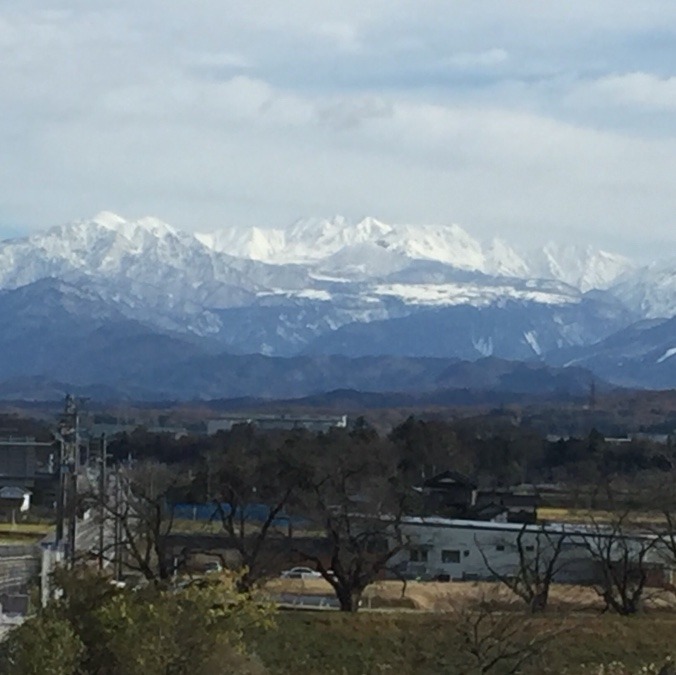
[418,555]
[500,547]
[450,556]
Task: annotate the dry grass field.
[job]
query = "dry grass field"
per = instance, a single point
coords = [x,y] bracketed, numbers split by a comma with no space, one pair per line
[430,596]
[577,516]
[22,533]
[448,596]
[27,528]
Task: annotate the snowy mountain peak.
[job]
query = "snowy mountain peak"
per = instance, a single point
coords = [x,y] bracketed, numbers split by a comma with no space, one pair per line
[108,219]
[353,287]
[316,238]
[318,241]
[370,261]
[651,290]
[503,260]
[581,266]
[133,230]
[106,244]
[359,250]
[449,244]
[157,227]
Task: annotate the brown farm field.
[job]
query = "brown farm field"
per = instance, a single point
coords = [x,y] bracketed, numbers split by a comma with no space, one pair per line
[429,596]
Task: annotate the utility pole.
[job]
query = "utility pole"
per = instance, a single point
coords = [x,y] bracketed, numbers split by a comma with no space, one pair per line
[68,435]
[60,495]
[72,515]
[118,525]
[103,491]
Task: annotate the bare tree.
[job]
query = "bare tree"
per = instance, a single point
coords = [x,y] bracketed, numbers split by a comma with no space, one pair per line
[140,515]
[257,480]
[662,505]
[495,641]
[357,497]
[622,557]
[539,561]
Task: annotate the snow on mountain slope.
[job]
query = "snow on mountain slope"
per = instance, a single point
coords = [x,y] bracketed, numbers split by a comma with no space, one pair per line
[450,245]
[150,270]
[149,263]
[649,291]
[503,260]
[581,266]
[640,355]
[252,243]
[315,240]
[328,285]
[105,245]
[304,241]
[301,282]
[450,294]
[363,261]
[148,251]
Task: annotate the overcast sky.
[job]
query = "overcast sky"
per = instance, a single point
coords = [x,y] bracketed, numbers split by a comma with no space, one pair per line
[524,120]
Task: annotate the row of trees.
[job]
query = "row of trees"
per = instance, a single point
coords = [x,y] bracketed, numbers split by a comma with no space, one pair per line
[350,489]
[631,547]
[496,451]
[346,490]
[621,563]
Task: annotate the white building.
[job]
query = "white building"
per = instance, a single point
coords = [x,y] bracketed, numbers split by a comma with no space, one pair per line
[466,549]
[265,422]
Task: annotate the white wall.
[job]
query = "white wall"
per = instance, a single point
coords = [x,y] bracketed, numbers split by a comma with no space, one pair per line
[497,543]
[469,542]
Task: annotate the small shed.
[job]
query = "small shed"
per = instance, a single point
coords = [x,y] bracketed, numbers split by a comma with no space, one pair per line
[13,498]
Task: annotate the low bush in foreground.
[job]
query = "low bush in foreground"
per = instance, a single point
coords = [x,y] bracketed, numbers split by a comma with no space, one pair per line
[97,628]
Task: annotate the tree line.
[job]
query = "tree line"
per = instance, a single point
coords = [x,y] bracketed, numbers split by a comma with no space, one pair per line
[494,450]
[349,488]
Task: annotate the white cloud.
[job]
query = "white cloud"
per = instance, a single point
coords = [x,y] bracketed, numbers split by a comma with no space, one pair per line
[218,59]
[348,113]
[339,34]
[501,116]
[637,89]
[490,57]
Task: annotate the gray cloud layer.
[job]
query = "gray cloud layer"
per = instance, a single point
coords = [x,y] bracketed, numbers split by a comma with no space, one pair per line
[524,120]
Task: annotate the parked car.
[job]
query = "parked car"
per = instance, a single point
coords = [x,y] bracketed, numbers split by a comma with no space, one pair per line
[300,573]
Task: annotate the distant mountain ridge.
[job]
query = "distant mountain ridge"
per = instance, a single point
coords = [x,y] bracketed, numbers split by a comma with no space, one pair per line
[314,240]
[140,297]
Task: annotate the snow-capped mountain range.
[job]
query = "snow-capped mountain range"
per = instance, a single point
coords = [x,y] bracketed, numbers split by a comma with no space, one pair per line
[320,286]
[370,247]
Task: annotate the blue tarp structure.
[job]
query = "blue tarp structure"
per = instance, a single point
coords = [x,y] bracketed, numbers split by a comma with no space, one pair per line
[255,513]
